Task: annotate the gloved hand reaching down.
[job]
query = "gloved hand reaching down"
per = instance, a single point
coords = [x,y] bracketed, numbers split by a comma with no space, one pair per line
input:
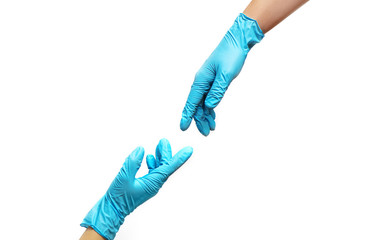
[218,71]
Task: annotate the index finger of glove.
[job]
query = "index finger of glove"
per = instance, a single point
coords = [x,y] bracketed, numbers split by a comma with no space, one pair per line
[133,163]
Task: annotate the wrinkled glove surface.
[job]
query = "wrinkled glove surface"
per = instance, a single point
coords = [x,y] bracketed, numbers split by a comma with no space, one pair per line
[218,71]
[126,192]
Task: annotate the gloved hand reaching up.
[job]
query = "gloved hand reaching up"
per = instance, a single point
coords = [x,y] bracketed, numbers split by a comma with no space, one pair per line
[126,192]
[214,77]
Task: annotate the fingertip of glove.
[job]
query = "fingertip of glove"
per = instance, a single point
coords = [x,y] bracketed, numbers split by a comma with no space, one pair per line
[205,133]
[189,150]
[204,130]
[139,150]
[187,153]
[185,123]
[211,123]
[164,141]
[210,104]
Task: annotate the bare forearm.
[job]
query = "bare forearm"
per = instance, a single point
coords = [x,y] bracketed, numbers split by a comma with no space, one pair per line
[90,234]
[269,13]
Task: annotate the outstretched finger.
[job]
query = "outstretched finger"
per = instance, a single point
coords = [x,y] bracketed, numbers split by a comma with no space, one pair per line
[133,163]
[176,162]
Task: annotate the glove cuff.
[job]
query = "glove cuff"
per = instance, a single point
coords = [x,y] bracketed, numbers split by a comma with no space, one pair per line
[104,219]
[249,32]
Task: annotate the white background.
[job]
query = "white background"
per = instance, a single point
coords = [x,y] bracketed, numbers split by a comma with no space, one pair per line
[82,83]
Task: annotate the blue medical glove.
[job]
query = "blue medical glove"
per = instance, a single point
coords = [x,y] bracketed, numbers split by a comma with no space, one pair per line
[214,77]
[126,192]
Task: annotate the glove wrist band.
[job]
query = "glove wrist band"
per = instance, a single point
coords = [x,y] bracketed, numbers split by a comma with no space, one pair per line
[249,31]
[104,219]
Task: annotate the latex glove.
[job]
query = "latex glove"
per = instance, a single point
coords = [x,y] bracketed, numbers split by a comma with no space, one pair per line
[126,192]
[218,71]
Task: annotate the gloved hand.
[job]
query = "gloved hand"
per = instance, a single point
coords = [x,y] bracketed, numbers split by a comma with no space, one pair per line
[214,77]
[126,192]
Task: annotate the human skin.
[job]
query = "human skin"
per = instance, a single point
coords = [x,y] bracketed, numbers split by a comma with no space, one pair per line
[269,13]
[90,234]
